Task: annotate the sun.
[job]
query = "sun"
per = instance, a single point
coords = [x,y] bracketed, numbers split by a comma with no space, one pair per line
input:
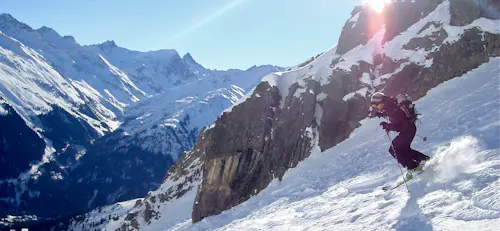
[378,5]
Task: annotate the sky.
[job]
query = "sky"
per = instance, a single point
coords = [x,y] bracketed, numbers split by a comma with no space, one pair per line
[219,34]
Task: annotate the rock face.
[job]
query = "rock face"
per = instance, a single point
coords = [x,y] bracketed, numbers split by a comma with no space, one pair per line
[400,15]
[473,49]
[397,17]
[274,129]
[239,167]
[359,29]
[464,12]
[340,118]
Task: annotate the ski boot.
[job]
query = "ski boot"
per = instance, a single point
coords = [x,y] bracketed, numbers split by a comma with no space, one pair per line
[409,175]
[416,170]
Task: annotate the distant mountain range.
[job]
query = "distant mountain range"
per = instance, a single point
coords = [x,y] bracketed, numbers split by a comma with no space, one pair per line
[83,126]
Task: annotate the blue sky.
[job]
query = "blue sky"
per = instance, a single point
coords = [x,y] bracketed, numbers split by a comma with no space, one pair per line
[220,34]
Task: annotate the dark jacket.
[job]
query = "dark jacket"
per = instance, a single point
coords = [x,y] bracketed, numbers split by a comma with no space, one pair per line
[397,117]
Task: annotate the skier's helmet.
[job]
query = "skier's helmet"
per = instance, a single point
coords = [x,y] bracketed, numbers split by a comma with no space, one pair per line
[377,98]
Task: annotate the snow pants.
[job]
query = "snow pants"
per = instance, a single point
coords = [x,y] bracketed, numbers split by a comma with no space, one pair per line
[406,156]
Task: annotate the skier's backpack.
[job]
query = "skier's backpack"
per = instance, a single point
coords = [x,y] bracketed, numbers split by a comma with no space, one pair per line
[405,102]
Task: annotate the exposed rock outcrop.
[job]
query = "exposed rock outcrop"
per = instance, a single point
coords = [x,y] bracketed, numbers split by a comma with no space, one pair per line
[397,17]
[473,49]
[237,169]
[464,12]
[400,15]
[363,24]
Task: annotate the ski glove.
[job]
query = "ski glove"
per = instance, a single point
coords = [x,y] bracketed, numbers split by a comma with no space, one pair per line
[385,125]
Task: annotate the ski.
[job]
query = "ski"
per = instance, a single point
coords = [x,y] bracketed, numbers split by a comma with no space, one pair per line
[389,187]
[425,166]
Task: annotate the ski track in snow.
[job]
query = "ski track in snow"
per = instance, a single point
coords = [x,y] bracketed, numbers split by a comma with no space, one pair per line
[340,189]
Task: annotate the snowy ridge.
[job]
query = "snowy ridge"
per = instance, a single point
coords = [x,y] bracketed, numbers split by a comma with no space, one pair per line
[97,218]
[34,77]
[152,71]
[319,69]
[188,107]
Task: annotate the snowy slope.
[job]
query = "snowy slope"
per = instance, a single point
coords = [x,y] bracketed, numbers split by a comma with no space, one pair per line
[340,189]
[188,107]
[40,68]
[98,216]
[32,85]
[152,71]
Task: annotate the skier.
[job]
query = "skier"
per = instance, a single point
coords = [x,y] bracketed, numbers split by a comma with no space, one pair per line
[402,117]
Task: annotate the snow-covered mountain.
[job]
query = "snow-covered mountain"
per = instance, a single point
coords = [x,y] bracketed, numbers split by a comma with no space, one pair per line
[83,126]
[299,152]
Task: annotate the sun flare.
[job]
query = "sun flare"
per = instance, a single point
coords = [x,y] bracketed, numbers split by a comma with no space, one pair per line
[378,5]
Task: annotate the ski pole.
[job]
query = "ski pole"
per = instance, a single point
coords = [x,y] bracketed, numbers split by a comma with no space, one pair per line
[423,138]
[395,154]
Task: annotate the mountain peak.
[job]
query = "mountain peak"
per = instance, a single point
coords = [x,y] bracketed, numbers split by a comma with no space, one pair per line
[70,38]
[107,46]
[252,67]
[46,30]
[190,61]
[8,22]
[188,58]
[6,16]
[108,43]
